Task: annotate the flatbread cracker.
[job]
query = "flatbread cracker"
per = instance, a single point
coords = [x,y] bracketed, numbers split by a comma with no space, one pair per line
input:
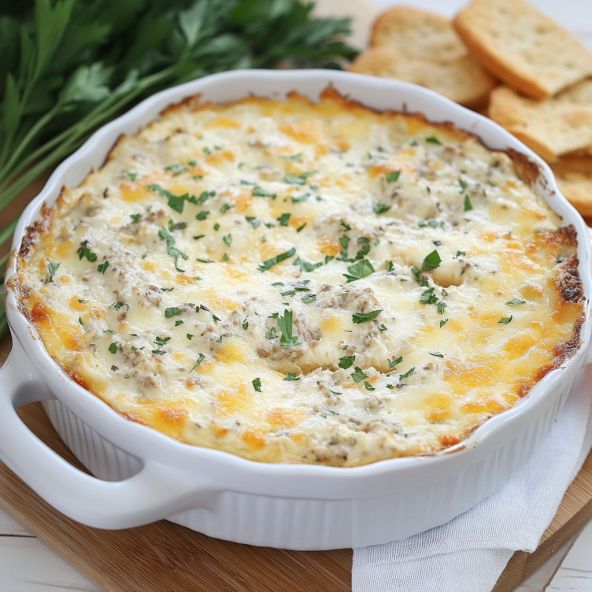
[551,127]
[461,80]
[520,45]
[416,33]
[574,177]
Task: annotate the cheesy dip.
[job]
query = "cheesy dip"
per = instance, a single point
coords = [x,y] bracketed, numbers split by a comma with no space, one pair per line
[308,282]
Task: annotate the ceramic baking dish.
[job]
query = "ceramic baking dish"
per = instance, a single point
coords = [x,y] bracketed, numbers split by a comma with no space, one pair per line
[141,475]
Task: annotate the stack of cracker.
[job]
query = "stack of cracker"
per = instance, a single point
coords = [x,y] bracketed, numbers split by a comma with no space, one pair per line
[535,76]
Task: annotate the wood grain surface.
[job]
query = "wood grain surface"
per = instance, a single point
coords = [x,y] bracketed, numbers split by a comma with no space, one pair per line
[164,557]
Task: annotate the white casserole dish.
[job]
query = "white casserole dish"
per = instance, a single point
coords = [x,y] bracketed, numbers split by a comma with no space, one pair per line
[142,475]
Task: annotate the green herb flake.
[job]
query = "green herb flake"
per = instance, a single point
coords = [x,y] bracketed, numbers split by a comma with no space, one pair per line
[287,338]
[431,223]
[258,191]
[308,298]
[227,239]
[468,204]
[102,267]
[392,364]
[436,354]
[433,140]
[113,348]
[292,376]
[358,270]
[284,219]
[346,361]
[392,176]
[505,320]
[173,311]
[380,208]
[291,179]
[202,215]
[389,266]
[272,261]
[136,217]
[443,322]
[431,261]
[85,253]
[52,267]
[164,234]
[407,374]
[368,386]
[515,302]
[199,360]
[364,317]
[358,375]
[256,382]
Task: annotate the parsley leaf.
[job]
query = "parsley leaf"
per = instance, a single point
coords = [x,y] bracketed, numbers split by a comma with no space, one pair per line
[431,261]
[505,320]
[284,219]
[269,263]
[468,204]
[102,267]
[199,360]
[433,140]
[346,361]
[358,270]
[287,339]
[407,374]
[358,375]
[364,317]
[84,252]
[292,376]
[380,208]
[171,249]
[52,267]
[256,382]
[515,302]
[392,176]
[173,311]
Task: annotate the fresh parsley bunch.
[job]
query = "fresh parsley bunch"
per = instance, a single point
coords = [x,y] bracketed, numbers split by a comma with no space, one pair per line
[68,66]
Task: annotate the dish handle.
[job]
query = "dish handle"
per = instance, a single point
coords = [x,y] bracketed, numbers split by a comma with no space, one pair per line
[153,493]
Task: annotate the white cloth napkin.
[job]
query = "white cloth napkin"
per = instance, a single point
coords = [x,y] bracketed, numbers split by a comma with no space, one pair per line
[469,553]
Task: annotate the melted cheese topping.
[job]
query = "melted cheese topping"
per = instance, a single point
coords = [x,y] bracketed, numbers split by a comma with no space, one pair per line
[302,282]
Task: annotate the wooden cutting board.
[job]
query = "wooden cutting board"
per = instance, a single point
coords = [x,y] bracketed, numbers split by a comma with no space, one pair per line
[164,557]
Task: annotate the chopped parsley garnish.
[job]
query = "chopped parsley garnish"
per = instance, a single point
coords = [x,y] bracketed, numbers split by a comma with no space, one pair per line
[199,360]
[269,263]
[515,302]
[52,267]
[225,207]
[292,156]
[306,266]
[380,208]
[358,375]
[216,226]
[364,317]
[463,185]
[296,179]
[433,140]
[364,249]
[85,253]
[441,307]
[308,298]
[189,336]
[505,320]
[202,215]
[176,202]
[428,297]
[358,270]
[393,176]
[287,339]
[171,249]
[436,354]
[346,361]
[258,191]
[113,348]
[388,265]
[102,267]
[368,386]
[344,244]
[431,223]
[431,261]
[443,322]
[177,323]
[136,217]
[227,239]
[301,197]
[245,325]
[406,375]
[460,254]
[421,279]
[253,221]
[271,333]
[257,384]
[468,205]
[173,311]
[292,376]
[161,340]
[175,169]
[392,364]
[284,219]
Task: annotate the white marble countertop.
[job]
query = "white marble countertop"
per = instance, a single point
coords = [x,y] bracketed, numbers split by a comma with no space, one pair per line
[28,565]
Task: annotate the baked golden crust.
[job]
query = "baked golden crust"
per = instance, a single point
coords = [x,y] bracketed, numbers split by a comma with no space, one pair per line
[304,282]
